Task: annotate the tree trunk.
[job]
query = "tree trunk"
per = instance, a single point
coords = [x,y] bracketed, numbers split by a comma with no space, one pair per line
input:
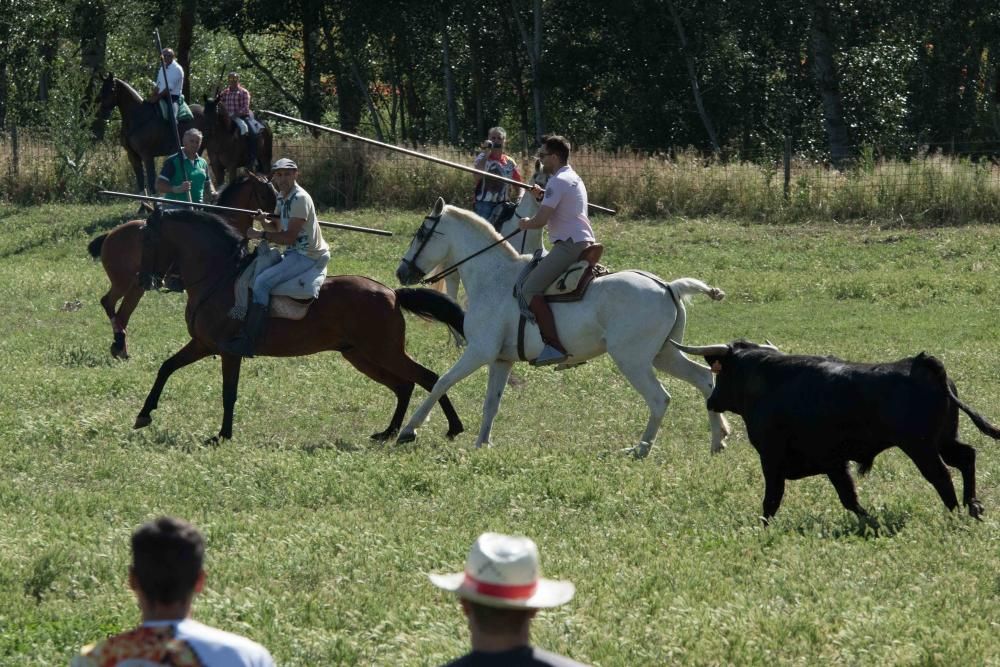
[311,108]
[449,82]
[533,45]
[372,111]
[693,76]
[828,82]
[47,50]
[185,39]
[3,95]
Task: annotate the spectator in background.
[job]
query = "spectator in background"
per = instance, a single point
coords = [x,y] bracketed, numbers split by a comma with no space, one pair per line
[500,591]
[490,193]
[166,573]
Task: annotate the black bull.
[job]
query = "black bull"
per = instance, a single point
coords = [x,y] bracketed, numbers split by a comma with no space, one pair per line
[808,415]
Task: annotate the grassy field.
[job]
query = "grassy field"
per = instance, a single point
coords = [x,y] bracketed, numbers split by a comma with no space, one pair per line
[319,540]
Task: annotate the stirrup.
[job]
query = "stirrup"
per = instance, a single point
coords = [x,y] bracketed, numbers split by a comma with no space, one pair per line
[549,356]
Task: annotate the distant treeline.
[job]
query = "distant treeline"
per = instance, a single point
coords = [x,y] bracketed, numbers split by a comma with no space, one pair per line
[726,77]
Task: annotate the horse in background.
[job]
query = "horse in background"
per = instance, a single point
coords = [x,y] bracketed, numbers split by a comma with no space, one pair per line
[356,316]
[227,150]
[120,252]
[145,134]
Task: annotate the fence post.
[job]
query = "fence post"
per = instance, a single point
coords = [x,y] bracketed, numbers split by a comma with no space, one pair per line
[788,164]
[14,150]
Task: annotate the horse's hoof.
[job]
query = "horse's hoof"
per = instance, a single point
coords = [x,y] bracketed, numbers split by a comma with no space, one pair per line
[405,438]
[142,421]
[640,451]
[384,435]
[119,352]
[976,509]
[452,434]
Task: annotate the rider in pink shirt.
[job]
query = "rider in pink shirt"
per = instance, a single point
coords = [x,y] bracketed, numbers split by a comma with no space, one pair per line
[564,212]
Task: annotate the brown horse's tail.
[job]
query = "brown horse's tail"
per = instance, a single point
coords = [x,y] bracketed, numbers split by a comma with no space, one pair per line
[94,247]
[432,305]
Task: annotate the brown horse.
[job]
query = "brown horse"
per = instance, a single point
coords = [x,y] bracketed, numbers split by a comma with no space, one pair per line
[145,134]
[227,150]
[120,251]
[356,316]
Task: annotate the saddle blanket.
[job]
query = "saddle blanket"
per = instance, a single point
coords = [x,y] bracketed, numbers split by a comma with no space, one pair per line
[183,110]
[303,286]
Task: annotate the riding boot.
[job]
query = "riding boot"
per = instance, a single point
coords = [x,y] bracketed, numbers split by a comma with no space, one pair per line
[553,352]
[251,140]
[245,343]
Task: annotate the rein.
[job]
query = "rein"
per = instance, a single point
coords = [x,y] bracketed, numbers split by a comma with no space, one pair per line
[454,267]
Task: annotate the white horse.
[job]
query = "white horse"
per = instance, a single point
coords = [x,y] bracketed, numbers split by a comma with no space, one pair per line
[527,242]
[630,315]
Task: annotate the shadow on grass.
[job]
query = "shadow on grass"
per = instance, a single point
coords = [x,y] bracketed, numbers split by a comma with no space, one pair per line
[887,523]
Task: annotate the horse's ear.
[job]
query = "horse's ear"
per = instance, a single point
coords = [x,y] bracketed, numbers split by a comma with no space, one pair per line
[438,206]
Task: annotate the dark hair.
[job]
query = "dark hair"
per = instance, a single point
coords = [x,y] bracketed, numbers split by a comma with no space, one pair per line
[553,143]
[167,557]
[498,620]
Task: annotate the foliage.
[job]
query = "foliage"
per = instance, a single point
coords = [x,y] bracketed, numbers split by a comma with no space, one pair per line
[319,541]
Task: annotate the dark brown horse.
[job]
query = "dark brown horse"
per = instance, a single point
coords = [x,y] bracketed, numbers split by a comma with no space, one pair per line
[120,251]
[356,316]
[145,134]
[227,150]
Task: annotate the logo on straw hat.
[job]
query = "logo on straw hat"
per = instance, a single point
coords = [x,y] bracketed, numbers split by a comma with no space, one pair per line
[503,571]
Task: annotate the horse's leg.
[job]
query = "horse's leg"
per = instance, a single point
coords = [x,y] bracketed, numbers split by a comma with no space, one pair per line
[464,367]
[403,390]
[499,372]
[671,360]
[150,163]
[639,372]
[136,162]
[188,354]
[230,384]
[119,321]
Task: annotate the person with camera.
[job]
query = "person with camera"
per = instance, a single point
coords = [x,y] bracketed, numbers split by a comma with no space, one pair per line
[490,192]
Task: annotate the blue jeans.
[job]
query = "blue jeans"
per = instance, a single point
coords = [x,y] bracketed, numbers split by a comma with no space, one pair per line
[484,209]
[292,264]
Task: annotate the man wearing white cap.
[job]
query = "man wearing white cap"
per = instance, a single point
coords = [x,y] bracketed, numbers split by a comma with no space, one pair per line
[305,249]
[501,590]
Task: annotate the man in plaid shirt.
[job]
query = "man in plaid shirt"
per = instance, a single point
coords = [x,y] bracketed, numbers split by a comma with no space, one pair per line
[235,99]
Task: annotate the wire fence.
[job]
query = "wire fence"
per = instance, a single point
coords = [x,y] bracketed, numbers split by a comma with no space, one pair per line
[934,185]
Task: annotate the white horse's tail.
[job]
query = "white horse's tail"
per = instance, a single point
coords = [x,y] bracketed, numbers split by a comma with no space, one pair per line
[685,288]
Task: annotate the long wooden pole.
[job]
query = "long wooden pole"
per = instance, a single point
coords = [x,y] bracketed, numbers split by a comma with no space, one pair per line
[229,209]
[422,156]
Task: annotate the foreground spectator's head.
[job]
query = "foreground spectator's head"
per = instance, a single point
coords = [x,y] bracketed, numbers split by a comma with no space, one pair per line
[167,559]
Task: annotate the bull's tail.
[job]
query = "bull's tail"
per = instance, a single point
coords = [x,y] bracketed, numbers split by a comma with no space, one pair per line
[685,288]
[977,419]
[94,247]
[433,305]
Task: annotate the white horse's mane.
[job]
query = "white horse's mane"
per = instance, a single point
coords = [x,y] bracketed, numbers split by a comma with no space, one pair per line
[478,223]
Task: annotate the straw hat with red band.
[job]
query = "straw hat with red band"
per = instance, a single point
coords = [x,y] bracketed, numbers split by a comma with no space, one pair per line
[503,571]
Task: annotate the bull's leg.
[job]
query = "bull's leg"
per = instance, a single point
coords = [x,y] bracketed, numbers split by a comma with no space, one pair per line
[670,360]
[842,481]
[959,455]
[774,490]
[934,471]
[499,373]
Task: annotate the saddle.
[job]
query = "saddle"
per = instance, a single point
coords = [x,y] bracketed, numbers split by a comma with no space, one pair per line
[571,285]
[288,307]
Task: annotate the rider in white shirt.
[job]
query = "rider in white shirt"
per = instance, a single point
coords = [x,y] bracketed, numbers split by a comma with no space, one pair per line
[174,83]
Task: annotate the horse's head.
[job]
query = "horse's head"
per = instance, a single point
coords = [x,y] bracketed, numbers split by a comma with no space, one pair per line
[204,243]
[107,97]
[427,249]
[216,114]
[249,191]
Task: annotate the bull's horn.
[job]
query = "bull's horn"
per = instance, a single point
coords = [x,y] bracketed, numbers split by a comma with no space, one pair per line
[716,350]
[770,346]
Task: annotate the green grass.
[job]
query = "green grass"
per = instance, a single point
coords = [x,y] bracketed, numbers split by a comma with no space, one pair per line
[319,540]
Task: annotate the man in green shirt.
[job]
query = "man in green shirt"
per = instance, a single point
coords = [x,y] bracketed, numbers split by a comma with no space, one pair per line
[186,173]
